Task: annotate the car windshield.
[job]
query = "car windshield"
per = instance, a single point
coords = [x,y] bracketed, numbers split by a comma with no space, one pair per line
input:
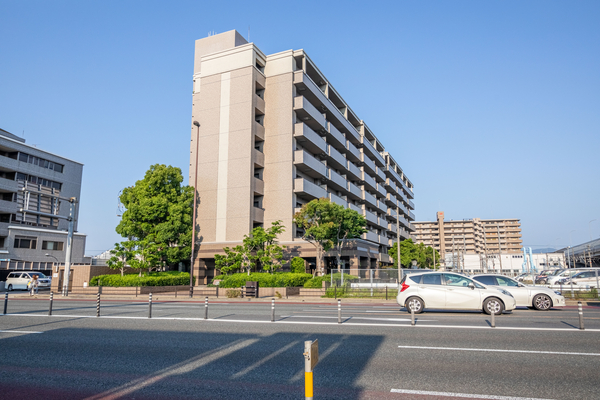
[504,281]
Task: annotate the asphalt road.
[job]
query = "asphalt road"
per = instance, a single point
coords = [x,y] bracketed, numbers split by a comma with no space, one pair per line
[239,354]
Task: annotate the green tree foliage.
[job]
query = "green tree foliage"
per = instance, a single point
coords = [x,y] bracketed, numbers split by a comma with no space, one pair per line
[410,251]
[158,218]
[328,226]
[298,265]
[259,250]
[122,254]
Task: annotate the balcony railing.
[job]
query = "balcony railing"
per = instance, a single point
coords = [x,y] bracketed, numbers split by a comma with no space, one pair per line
[369,181]
[354,190]
[308,189]
[309,139]
[336,157]
[354,171]
[337,180]
[309,165]
[337,200]
[309,114]
[372,151]
[368,164]
[258,158]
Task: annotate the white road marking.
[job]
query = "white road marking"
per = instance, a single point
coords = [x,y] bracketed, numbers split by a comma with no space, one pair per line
[20,332]
[500,350]
[310,323]
[464,395]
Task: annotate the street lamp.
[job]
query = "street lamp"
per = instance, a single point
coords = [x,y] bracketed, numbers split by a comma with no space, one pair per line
[571,248]
[197,125]
[590,226]
[50,255]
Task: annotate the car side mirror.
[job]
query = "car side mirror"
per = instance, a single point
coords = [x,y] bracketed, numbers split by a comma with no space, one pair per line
[471,285]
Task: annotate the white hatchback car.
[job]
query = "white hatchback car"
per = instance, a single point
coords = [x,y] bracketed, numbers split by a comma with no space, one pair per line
[19,279]
[538,297]
[583,279]
[446,290]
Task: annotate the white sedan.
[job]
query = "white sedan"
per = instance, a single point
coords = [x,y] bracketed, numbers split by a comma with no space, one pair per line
[538,297]
[446,290]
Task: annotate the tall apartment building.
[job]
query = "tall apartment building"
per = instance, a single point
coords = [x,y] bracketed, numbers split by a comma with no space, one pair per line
[26,238]
[470,236]
[270,133]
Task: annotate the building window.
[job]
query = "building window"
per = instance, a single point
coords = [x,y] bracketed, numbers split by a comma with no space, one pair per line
[39,181]
[46,245]
[43,163]
[23,242]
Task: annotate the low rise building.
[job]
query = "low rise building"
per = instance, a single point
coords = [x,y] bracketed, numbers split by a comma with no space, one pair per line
[32,181]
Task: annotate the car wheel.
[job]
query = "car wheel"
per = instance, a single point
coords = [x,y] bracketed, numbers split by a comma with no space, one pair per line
[10,288]
[416,304]
[493,305]
[542,302]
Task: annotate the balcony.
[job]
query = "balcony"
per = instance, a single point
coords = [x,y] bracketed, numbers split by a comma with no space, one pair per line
[336,159]
[370,236]
[258,215]
[380,175]
[371,217]
[8,207]
[335,137]
[369,199]
[389,171]
[336,180]
[354,190]
[372,152]
[355,208]
[369,181]
[354,172]
[391,214]
[309,114]
[258,158]
[382,223]
[258,186]
[259,103]
[309,139]
[411,205]
[381,205]
[8,185]
[308,189]
[337,200]
[259,132]
[381,190]
[308,164]
[367,163]
[352,153]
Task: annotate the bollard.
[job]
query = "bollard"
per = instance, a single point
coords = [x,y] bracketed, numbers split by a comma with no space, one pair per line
[206,308]
[335,292]
[308,373]
[386,297]
[217,292]
[98,305]
[5,302]
[412,315]
[272,310]
[150,306]
[191,292]
[51,300]
[339,311]
[580,307]
[493,319]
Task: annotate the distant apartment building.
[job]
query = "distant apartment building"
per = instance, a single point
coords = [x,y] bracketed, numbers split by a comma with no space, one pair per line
[270,133]
[470,236]
[31,182]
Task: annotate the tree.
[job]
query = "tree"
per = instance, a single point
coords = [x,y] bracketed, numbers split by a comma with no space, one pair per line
[314,219]
[258,249]
[158,217]
[348,224]
[121,255]
[298,265]
[410,251]
[262,247]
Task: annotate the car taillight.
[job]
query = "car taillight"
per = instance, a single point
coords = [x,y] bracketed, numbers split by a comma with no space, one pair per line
[404,287]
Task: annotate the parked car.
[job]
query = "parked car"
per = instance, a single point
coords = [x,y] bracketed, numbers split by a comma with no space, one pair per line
[565,273]
[537,297]
[446,290]
[585,279]
[543,277]
[19,279]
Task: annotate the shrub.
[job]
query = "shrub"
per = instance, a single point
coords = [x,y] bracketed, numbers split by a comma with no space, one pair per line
[232,293]
[169,278]
[282,279]
[297,265]
[317,281]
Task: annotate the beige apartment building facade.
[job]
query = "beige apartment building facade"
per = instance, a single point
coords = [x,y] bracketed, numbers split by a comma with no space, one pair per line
[269,134]
[471,236]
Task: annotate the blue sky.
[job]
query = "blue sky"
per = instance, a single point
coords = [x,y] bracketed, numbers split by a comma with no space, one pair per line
[492,108]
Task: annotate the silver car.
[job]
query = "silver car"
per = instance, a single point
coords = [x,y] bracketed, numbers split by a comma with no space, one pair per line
[537,297]
[446,290]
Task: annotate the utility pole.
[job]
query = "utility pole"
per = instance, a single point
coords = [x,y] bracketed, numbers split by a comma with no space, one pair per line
[398,236]
[499,247]
[464,251]
[453,262]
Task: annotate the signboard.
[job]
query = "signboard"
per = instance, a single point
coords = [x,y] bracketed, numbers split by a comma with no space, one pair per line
[314,354]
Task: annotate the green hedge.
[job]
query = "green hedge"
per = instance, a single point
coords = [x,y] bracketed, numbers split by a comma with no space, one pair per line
[281,279]
[317,281]
[169,278]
